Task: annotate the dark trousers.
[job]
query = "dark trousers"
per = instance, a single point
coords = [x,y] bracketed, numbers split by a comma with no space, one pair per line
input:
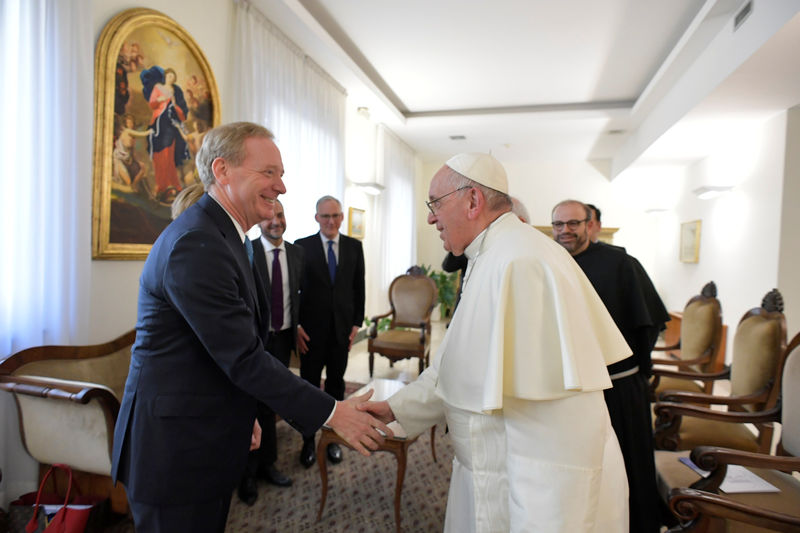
[628,403]
[201,517]
[329,352]
[280,346]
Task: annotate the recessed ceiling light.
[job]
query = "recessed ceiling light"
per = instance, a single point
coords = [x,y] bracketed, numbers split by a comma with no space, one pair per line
[372,188]
[708,192]
[458,137]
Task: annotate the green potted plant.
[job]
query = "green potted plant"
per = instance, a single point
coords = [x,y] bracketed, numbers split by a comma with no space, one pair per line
[447,287]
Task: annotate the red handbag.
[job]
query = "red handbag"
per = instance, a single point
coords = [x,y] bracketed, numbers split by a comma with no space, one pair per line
[69,517]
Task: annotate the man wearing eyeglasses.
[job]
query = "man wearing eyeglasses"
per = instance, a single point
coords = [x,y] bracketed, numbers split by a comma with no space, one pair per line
[638,312]
[518,377]
[331,308]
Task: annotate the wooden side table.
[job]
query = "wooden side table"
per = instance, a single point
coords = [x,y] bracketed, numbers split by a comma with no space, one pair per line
[397,445]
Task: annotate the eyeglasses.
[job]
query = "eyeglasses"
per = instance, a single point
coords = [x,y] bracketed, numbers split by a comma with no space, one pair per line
[571,224]
[435,204]
[335,216]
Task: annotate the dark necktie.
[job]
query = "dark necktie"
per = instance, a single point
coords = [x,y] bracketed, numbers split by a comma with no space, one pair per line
[331,262]
[248,247]
[276,291]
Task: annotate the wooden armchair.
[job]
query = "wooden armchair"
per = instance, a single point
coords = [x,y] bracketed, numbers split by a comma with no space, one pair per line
[697,502]
[412,298]
[68,398]
[698,350]
[685,420]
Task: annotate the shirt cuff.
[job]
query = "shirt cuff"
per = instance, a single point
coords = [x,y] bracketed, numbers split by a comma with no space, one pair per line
[330,415]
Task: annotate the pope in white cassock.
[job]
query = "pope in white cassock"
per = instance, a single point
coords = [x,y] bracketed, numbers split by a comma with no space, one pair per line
[520,372]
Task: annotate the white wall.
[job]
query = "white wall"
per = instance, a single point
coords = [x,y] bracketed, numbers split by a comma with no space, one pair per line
[789,247]
[115,284]
[740,231]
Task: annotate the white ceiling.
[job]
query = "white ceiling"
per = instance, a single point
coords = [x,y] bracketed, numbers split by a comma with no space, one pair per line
[599,80]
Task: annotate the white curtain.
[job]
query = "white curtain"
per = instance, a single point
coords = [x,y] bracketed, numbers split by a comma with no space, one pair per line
[278,86]
[394,216]
[45,208]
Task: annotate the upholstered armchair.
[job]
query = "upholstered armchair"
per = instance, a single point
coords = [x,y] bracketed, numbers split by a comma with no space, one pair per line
[412,297]
[68,398]
[685,420]
[700,506]
[698,350]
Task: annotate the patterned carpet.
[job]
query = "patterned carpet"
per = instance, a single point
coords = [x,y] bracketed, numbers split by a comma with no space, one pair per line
[360,492]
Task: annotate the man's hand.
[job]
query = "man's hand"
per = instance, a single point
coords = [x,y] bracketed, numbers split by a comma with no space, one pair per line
[357,427]
[379,410]
[255,438]
[302,339]
[352,336]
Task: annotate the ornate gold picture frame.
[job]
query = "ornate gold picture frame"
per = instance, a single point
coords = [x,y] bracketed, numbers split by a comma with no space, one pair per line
[355,223]
[155,98]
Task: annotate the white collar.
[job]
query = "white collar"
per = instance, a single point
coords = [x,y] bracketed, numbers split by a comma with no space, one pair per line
[325,239]
[474,249]
[268,246]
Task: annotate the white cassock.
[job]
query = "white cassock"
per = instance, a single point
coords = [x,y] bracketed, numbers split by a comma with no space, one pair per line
[519,379]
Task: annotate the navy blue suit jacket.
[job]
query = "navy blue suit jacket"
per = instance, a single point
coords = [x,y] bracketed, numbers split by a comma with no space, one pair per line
[198,366]
[321,300]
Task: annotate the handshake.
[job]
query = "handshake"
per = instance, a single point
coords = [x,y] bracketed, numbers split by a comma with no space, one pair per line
[353,422]
[362,423]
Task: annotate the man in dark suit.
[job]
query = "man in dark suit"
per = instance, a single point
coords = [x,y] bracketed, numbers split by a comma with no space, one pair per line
[331,308]
[280,265]
[198,364]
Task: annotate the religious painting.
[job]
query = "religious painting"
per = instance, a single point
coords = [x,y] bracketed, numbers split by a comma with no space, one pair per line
[690,242]
[355,223]
[155,99]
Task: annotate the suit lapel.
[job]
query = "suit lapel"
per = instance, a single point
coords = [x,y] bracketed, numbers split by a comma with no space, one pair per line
[318,258]
[291,261]
[231,237]
[260,263]
[263,284]
[344,255]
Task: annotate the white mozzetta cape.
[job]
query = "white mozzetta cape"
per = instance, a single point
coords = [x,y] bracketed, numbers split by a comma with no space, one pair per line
[529,325]
[518,378]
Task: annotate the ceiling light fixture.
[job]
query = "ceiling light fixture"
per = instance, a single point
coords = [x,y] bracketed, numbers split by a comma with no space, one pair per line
[707,192]
[458,137]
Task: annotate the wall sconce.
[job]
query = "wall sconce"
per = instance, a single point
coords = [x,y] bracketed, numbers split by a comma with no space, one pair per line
[708,192]
[372,188]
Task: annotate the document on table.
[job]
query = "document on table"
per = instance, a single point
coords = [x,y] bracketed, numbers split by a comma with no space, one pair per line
[737,479]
